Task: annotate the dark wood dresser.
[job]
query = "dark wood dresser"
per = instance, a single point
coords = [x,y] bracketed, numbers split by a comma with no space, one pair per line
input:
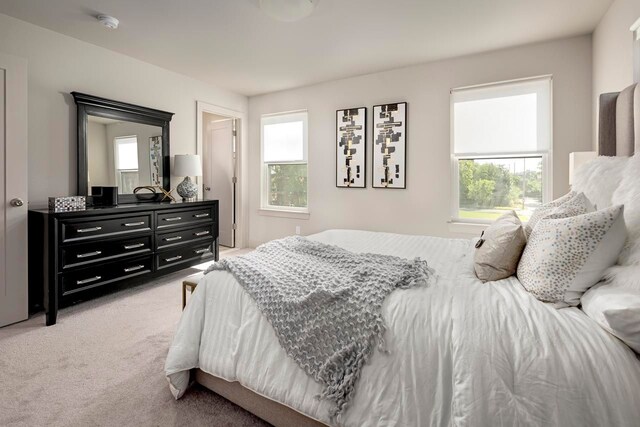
[74,255]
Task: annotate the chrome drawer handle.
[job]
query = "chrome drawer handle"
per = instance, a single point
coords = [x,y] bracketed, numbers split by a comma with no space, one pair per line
[85,281]
[175,218]
[171,239]
[88,230]
[175,258]
[88,254]
[204,215]
[201,251]
[135,245]
[201,233]
[135,268]
[133,224]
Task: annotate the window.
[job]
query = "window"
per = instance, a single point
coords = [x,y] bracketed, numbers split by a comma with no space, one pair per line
[501,149]
[284,161]
[126,163]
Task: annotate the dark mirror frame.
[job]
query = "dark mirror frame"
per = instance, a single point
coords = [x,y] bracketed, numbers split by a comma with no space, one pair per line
[89,105]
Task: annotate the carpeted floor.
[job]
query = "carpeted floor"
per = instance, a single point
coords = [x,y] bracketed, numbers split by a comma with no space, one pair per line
[102,365]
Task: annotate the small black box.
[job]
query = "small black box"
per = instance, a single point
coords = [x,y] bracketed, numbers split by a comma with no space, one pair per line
[104,196]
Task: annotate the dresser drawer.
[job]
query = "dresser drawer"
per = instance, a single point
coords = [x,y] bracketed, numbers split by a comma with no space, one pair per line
[88,278]
[182,237]
[202,251]
[94,227]
[175,218]
[85,254]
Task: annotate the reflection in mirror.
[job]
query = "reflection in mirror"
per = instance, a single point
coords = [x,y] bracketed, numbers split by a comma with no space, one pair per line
[123,154]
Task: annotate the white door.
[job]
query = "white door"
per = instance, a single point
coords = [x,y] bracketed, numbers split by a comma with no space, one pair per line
[13,190]
[218,175]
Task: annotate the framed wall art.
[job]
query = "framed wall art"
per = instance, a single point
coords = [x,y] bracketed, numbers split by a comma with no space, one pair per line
[155,159]
[351,147]
[389,145]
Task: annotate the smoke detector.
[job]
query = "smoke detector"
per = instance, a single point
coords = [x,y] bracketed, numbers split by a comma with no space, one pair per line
[288,10]
[108,21]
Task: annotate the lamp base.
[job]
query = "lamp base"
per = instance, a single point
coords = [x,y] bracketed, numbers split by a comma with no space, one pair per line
[187,189]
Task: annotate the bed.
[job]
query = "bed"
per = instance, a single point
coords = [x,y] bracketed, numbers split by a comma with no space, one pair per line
[460,352]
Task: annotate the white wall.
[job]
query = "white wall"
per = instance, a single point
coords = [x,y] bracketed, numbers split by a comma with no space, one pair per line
[613,52]
[59,65]
[424,208]
[143,132]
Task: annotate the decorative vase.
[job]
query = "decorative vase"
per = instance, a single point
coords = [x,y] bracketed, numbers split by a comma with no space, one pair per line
[187,189]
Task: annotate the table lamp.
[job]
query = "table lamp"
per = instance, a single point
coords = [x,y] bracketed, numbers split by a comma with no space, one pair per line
[187,165]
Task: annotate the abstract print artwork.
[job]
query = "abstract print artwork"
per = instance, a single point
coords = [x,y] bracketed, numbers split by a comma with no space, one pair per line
[389,145]
[155,159]
[351,147]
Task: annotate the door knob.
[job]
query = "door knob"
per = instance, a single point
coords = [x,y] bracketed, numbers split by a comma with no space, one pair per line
[17,202]
[207,188]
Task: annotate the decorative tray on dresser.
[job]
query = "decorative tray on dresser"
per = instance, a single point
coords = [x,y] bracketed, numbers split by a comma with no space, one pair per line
[75,253]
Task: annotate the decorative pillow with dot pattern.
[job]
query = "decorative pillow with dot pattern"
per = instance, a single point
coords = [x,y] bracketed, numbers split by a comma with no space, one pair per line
[566,256]
[571,204]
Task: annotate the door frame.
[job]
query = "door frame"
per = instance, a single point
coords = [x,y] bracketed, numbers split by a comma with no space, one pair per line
[15,186]
[242,191]
[210,128]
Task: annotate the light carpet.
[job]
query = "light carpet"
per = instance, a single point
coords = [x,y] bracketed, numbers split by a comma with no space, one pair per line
[102,365]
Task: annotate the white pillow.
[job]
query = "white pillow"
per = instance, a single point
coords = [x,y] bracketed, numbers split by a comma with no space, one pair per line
[599,179]
[628,194]
[566,256]
[571,204]
[616,309]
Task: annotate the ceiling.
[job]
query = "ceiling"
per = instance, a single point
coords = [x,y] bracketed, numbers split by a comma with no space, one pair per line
[232,44]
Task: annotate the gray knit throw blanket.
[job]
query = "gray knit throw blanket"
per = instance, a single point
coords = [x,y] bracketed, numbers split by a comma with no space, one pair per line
[325,304]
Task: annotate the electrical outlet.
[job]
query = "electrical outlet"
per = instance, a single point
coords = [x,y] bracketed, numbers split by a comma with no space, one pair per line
[297,230]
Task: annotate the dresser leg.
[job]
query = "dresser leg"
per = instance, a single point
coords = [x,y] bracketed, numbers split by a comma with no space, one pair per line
[51,301]
[52,314]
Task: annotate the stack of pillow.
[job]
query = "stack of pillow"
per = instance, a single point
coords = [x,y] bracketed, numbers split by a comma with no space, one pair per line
[615,303]
[570,253]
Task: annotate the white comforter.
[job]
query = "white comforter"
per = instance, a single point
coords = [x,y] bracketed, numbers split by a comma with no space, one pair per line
[461,352]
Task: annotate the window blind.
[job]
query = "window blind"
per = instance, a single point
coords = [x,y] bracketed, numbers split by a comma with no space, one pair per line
[505,118]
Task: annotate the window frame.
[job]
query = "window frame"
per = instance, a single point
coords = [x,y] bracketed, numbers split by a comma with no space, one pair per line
[546,155]
[283,117]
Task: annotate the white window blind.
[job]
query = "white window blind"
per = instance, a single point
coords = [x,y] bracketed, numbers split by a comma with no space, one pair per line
[127,151]
[283,138]
[504,118]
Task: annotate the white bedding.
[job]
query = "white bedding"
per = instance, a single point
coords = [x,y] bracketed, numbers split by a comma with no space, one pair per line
[461,352]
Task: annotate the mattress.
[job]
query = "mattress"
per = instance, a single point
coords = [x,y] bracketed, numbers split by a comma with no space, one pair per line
[461,352]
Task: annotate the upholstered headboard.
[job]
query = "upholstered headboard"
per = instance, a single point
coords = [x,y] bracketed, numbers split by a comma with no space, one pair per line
[619,122]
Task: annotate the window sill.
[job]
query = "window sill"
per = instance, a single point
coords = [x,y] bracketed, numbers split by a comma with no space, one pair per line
[283,213]
[470,228]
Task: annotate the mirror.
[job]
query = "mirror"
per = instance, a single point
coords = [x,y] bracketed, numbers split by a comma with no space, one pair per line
[121,145]
[123,154]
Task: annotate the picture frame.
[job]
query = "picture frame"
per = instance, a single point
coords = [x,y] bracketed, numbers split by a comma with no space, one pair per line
[389,136]
[155,159]
[351,148]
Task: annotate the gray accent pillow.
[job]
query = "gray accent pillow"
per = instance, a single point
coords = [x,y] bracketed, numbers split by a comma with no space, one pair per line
[499,249]
[566,256]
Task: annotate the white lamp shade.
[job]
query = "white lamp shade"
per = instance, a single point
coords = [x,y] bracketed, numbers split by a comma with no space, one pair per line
[578,159]
[187,165]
